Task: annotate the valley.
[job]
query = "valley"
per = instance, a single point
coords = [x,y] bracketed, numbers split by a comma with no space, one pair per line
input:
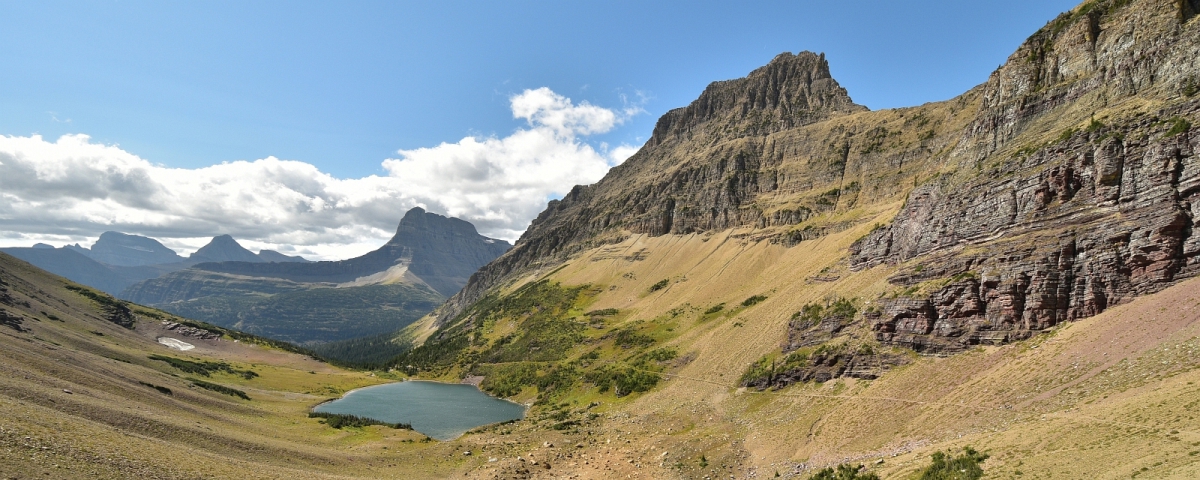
[780,281]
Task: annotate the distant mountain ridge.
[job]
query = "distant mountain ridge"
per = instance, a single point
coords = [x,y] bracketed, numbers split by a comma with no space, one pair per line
[121,249]
[441,251]
[223,248]
[430,258]
[118,260]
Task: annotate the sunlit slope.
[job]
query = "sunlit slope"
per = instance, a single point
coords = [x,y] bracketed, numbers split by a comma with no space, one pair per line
[1098,398]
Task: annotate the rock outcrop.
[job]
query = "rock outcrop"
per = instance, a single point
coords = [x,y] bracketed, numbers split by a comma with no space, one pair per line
[12,321]
[5,297]
[1062,230]
[825,365]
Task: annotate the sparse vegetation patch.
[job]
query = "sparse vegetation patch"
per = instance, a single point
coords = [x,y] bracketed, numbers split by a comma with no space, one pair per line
[946,466]
[161,389]
[204,368]
[754,300]
[341,420]
[844,471]
[233,392]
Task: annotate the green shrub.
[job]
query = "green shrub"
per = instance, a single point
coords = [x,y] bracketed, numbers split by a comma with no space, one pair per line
[844,471]
[629,338]
[661,284]
[203,368]
[754,300]
[961,467]
[1067,134]
[1179,126]
[660,355]
[508,380]
[840,308]
[761,370]
[625,380]
[162,390]
[339,420]
[607,312]
[714,309]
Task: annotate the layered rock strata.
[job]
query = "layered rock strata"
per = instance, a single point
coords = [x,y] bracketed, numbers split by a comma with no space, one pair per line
[1053,232]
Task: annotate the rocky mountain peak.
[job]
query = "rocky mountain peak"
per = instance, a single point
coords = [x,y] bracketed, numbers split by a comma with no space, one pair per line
[121,249]
[790,91]
[223,248]
[419,225]
[443,251]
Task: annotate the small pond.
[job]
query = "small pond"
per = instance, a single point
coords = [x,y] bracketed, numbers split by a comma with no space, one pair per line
[442,411]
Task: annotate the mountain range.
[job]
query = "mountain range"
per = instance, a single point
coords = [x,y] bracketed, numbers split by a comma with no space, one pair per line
[286,297]
[428,259]
[118,260]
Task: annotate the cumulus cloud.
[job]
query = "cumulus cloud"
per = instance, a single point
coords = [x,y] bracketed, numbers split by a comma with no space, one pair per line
[73,189]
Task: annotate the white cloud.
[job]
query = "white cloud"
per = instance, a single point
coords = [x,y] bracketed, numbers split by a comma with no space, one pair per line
[73,189]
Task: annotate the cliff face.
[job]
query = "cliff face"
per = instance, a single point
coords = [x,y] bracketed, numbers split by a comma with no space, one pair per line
[1063,185]
[1056,231]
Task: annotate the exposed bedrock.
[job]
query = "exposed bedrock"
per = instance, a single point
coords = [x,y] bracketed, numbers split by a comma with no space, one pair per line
[1097,221]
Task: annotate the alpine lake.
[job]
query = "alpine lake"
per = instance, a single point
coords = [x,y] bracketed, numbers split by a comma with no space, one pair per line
[442,411]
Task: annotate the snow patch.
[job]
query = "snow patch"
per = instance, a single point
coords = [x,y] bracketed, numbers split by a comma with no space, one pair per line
[175,343]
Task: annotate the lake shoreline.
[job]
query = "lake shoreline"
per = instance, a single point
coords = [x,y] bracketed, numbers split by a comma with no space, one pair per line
[436,409]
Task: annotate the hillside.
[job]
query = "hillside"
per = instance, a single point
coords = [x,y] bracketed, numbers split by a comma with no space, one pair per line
[775,237]
[83,397]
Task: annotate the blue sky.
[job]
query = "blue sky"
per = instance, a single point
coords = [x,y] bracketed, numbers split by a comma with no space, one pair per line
[343,86]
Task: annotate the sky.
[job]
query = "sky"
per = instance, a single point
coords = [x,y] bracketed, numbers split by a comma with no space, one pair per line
[311,127]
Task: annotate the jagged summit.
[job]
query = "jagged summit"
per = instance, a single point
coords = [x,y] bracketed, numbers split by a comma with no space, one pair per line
[790,91]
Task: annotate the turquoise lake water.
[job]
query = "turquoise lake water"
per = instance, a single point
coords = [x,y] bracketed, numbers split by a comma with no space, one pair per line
[442,411]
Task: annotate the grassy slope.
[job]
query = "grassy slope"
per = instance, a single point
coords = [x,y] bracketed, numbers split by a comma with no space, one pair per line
[110,425]
[1093,399]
